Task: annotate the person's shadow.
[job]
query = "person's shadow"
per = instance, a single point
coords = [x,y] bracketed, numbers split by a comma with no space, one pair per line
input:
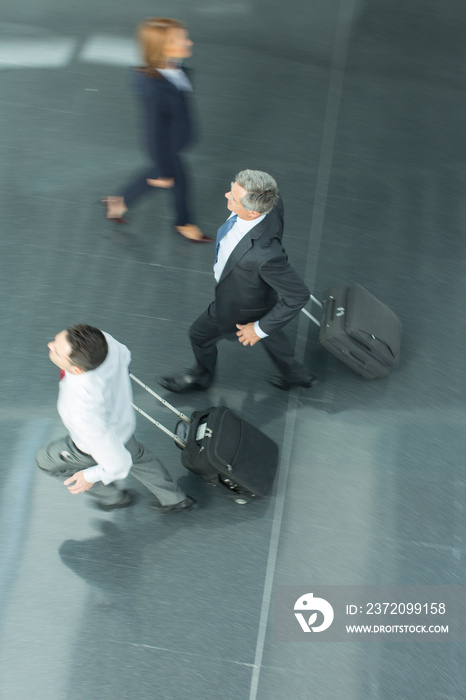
[108,561]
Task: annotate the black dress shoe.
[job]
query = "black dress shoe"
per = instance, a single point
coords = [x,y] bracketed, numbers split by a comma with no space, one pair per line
[181,383]
[128,499]
[188,504]
[281,383]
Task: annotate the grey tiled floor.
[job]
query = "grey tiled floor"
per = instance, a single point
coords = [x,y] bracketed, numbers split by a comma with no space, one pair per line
[358,110]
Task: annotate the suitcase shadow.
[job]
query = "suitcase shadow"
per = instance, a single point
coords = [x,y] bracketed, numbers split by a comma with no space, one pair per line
[217,508]
[340,388]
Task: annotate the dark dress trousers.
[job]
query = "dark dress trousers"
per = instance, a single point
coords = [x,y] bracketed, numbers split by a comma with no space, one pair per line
[257,284]
[168,130]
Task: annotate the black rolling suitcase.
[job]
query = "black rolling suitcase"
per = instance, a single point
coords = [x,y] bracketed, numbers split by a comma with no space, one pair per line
[223,448]
[359,329]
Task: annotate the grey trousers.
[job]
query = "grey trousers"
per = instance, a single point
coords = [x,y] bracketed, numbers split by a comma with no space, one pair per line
[61,459]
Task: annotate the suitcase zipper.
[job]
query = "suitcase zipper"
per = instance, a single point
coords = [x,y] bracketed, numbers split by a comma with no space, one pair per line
[209,434]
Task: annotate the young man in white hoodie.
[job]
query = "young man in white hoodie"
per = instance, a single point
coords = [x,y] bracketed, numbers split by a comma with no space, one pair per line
[94,403]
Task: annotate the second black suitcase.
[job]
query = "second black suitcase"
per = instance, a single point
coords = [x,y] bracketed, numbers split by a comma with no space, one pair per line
[227,451]
[360,330]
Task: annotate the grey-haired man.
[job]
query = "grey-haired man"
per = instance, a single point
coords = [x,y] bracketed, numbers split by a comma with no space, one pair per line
[257,291]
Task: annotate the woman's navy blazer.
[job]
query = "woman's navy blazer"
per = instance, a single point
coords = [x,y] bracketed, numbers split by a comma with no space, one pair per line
[167,115]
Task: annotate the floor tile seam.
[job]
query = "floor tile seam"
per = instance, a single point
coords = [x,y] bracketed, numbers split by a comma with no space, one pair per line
[141,216]
[395,478]
[412,77]
[396,541]
[104,562]
[344,21]
[353,416]
[121,312]
[42,109]
[15,504]
[78,305]
[180,652]
[327,148]
[173,319]
[184,270]
[281,489]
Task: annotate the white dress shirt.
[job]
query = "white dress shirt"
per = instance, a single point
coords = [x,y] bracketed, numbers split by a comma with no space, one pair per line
[228,243]
[95,407]
[177,77]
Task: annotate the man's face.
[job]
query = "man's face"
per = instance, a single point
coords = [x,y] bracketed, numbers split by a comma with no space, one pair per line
[59,353]
[234,197]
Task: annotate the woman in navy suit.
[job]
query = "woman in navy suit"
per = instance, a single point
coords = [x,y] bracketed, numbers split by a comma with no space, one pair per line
[163,88]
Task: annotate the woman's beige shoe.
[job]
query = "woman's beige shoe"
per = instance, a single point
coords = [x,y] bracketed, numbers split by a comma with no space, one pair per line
[193,233]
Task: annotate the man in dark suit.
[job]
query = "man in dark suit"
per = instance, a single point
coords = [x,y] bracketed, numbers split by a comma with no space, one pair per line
[257,291]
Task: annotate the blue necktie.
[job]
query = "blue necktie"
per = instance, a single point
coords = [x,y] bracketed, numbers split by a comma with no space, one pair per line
[223,230]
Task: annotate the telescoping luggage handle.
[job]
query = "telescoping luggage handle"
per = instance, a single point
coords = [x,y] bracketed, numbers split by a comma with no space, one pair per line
[186,419]
[313,318]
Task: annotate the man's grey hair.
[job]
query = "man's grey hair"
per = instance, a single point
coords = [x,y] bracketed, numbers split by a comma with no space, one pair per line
[262,190]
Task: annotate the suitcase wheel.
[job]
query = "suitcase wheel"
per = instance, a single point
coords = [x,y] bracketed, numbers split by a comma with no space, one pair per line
[242,501]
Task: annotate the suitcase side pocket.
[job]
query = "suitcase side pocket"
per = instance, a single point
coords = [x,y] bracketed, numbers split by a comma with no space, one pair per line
[194,455]
[226,439]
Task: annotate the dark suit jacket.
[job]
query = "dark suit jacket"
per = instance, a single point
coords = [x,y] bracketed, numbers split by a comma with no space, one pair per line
[258,283]
[167,116]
